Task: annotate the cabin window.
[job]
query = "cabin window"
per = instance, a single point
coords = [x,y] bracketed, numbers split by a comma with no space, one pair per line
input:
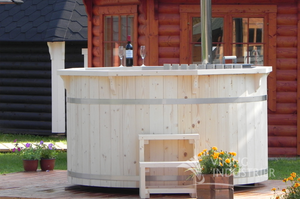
[116,30]
[217,40]
[247,40]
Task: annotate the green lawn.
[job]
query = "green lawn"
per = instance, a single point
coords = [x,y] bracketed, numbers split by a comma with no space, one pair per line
[283,167]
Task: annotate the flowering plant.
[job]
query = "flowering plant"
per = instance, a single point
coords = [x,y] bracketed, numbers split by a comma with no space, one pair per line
[292,191]
[29,152]
[215,162]
[47,151]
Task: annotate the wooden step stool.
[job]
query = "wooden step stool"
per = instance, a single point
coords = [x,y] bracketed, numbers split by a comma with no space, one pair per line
[144,139]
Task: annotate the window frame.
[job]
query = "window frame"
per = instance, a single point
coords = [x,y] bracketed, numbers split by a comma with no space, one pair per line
[128,10]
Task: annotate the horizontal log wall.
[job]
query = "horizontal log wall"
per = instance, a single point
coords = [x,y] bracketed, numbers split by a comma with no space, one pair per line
[25,88]
[283,122]
[25,85]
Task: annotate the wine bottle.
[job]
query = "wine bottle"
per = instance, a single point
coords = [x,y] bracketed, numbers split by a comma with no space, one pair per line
[129,52]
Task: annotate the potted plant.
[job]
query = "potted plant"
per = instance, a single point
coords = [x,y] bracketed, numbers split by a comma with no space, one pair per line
[214,173]
[30,155]
[48,156]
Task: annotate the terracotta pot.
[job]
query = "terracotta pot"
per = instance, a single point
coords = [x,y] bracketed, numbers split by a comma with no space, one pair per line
[215,186]
[47,164]
[30,165]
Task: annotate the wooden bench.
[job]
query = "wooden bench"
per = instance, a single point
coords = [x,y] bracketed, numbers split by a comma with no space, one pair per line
[144,139]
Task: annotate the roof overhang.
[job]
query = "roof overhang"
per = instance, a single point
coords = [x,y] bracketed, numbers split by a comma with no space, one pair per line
[11,2]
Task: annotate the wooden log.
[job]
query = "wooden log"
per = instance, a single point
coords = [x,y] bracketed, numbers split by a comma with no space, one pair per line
[25,74]
[286,75]
[32,57]
[96,21]
[286,52]
[25,90]
[286,108]
[287,9]
[169,30]
[282,151]
[142,29]
[282,130]
[17,65]
[162,61]
[168,52]
[114,2]
[287,19]
[97,51]
[286,86]
[25,124]
[282,119]
[282,141]
[26,131]
[142,40]
[97,62]
[286,41]
[25,116]
[25,98]
[25,107]
[168,8]
[286,63]
[142,19]
[96,41]
[284,30]
[169,41]
[169,19]
[96,30]
[286,97]
[25,82]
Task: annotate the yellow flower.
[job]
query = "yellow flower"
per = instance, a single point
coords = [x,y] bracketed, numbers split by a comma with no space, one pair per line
[199,154]
[234,166]
[284,190]
[215,156]
[285,180]
[273,189]
[222,152]
[298,179]
[204,150]
[233,153]
[214,148]
[296,185]
[290,178]
[200,160]
[227,161]
[220,158]
[293,175]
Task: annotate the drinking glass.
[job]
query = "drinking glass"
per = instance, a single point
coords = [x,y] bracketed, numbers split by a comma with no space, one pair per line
[143,54]
[121,54]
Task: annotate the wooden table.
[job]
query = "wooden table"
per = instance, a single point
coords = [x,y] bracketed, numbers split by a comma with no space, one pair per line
[107,108]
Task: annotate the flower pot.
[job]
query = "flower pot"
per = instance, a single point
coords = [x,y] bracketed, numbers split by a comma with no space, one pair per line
[30,165]
[47,164]
[215,186]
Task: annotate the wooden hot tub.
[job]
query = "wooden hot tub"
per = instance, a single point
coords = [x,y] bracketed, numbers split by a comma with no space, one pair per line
[107,108]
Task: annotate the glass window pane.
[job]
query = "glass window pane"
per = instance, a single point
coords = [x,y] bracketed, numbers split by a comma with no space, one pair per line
[217,29]
[256,24]
[130,27]
[241,53]
[123,28]
[107,28]
[217,53]
[196,30]
[115,28]
[240,30]
[196,54]
[256,55]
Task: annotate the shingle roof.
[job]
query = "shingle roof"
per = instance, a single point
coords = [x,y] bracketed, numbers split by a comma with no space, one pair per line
[44,20]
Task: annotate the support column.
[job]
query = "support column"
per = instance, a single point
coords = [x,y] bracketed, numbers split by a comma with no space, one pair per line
[57,56]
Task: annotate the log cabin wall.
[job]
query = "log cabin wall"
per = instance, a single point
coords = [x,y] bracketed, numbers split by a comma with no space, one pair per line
[159,29]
